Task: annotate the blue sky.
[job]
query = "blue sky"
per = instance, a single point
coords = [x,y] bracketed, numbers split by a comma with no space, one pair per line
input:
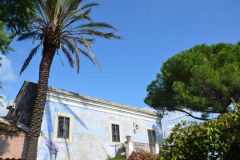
[152,31]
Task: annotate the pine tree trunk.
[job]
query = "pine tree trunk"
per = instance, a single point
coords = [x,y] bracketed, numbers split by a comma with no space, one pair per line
[31,146]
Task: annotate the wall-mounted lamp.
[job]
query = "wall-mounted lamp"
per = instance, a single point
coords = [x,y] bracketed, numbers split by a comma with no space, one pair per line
[135,127]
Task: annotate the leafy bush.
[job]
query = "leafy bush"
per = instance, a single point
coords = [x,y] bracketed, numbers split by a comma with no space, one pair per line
[214,139]
[142,155]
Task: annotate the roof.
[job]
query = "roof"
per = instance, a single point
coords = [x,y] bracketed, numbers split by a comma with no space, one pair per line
[8,127]
[26,97]
[101,101]
[89,98]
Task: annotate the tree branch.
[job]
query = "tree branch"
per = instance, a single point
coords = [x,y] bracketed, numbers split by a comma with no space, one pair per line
[189,114]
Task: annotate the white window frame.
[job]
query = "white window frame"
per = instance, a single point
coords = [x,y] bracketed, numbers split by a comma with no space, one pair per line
[56,138]
[110,131]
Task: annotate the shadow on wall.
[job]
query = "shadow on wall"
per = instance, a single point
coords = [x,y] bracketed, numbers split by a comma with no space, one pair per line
[78,119]
[50,121]
[73,113]
[50,125]
[68,153]
[11,146]
[157,129]
[4,145]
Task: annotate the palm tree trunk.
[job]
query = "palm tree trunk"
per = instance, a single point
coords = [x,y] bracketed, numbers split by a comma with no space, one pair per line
[30,152]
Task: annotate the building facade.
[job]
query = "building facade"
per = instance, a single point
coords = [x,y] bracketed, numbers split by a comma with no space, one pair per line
[77,127]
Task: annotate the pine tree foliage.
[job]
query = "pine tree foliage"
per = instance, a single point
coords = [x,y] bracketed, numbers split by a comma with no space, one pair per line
[205,78]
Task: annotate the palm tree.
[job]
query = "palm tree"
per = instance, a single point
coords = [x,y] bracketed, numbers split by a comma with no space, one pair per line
[63,25]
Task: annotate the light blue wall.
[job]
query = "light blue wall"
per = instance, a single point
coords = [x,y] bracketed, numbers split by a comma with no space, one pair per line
[91,134]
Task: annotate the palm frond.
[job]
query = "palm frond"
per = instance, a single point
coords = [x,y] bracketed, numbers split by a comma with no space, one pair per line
[30,56]
[41,12]
[73,6]
[60,57]
[40,23]
[70,45]
[68,56]
[61,21]
[99,34]
[76,53]
[80,16]
[74,9]
[53,7]
[86,55]
[97,25]
[70,10]
[73,48]
[88,5]
[29,35]
[88,45]
[42,8]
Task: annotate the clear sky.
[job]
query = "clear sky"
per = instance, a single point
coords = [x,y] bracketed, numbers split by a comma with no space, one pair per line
[152,31]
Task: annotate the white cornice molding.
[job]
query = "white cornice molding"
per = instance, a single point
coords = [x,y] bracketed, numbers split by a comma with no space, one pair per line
[86,102]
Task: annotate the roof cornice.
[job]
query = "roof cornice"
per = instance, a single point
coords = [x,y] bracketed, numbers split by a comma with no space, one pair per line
[77,100]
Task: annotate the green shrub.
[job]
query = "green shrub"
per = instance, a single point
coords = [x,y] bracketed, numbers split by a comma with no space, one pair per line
[215,139]
[142,155]
[116,158]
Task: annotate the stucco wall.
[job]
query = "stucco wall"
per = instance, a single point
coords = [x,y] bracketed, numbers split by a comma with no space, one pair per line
[11,146]
[91,132]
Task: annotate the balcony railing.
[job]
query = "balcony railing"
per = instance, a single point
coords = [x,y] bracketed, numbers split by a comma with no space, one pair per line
[134,146]
[144,146]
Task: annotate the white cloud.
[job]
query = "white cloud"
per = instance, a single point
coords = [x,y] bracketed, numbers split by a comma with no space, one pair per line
[6,70]
[3,109]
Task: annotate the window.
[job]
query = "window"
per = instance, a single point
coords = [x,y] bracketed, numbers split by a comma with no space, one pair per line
[151,137]
[115,133]
[63,127]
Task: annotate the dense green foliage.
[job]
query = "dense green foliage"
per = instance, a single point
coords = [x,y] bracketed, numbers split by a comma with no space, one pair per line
[0,66]
[217,138]
[4,39]
[204,79]
[116,158]
[17,14]
[15,17]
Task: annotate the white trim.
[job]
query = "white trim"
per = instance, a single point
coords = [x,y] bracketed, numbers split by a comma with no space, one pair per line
[88,104]
[110,132]
[56,127]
